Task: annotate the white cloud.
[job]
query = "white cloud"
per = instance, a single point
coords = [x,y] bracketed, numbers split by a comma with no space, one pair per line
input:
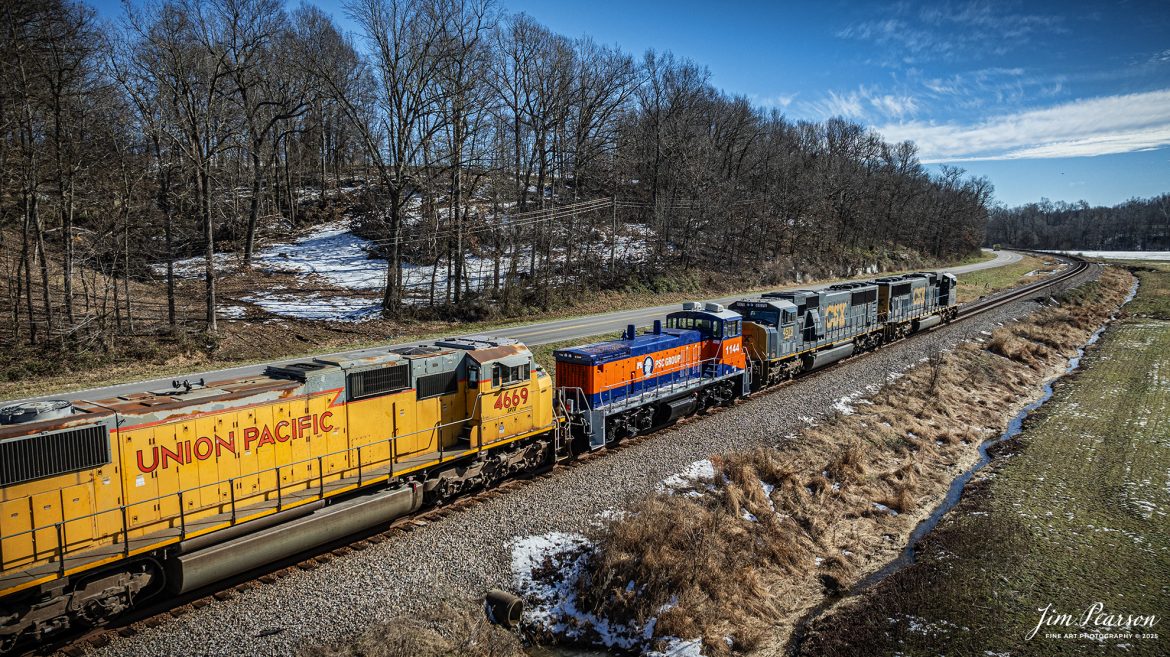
[1083,128]
[781,101]
[861,103]
[951,31]
[848,105]
[891,105]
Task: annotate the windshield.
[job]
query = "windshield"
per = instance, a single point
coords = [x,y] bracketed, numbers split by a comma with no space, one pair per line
[769,317]
[706,326]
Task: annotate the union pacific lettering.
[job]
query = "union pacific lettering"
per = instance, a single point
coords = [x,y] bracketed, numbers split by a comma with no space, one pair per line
[205,447]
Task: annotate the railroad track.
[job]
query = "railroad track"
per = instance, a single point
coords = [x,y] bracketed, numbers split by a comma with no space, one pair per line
[1076,266]
[156,613]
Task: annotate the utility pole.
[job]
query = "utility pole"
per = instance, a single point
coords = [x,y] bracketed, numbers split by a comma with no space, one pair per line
[613,242]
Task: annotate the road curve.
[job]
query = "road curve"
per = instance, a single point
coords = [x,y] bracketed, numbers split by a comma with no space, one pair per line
[537,333]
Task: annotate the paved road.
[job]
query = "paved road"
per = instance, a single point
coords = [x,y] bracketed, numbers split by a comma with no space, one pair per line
[530,334]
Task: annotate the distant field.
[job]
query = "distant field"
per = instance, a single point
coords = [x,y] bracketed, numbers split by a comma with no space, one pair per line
[1123,255]
[1079,515]
[988,281]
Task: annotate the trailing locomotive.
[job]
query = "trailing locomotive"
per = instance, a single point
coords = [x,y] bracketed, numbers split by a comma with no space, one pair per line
[107,502]
[786,333]
[619,388]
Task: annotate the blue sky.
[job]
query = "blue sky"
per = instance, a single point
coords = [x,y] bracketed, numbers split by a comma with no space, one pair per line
[1062,100]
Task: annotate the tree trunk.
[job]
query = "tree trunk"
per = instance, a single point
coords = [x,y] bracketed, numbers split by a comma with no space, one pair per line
[26,259]
[391,297]
[254,206]
[209,237]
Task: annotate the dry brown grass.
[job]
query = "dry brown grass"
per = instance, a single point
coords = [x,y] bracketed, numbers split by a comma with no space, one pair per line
[723,573]
[443,631]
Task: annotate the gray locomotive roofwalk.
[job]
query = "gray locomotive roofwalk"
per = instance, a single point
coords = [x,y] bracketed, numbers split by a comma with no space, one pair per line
[530,334]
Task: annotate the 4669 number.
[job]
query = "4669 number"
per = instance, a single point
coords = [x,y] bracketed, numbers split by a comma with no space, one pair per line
[513,399]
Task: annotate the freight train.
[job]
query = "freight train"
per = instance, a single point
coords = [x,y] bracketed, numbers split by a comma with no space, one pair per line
[110,501]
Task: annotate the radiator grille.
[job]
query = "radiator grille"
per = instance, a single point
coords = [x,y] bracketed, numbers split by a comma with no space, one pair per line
[437,384]
[49,455]
[378,382]
[864,297]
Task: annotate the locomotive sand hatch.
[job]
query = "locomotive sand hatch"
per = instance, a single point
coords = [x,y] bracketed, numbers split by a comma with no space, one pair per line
[110,502]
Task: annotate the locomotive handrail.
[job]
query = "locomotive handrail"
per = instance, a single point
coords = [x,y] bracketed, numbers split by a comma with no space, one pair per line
[62,549]
[696,365]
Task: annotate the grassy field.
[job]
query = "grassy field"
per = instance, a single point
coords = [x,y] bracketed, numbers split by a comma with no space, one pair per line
[1154,300]
[1074,514]
[988,281]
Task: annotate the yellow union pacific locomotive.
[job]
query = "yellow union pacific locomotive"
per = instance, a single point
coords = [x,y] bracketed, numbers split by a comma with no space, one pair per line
[106,501]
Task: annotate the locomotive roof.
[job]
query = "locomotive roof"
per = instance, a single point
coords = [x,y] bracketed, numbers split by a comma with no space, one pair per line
[772,302]
[639,345]
[717,314]
[195,396]
[186,397]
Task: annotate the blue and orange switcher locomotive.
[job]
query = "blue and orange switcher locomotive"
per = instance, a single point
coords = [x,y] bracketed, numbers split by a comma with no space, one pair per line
[619,388]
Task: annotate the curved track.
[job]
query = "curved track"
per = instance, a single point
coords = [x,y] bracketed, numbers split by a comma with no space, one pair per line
[156,612]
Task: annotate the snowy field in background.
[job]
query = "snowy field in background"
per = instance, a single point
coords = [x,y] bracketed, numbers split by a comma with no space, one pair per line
[331,259]
[1121,255]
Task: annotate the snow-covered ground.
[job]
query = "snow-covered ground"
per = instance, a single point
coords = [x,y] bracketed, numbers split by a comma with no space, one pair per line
[552,600]
[1122,255]
[330,260]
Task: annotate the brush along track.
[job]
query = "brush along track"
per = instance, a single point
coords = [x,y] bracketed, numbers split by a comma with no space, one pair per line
[153,615]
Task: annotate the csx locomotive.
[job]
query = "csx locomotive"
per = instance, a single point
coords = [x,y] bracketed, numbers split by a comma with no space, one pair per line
[106,502]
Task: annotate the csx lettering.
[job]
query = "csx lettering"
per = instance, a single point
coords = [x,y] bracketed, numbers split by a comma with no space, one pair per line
[205,447]
[919,296]
[835,316]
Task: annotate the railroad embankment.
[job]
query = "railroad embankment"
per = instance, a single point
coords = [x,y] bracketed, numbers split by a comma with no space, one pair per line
[737,550]
[1061,547]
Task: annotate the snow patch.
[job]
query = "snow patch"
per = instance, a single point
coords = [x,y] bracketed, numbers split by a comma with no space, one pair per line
[546,570]
[315,306]
[696,473]
[679,648]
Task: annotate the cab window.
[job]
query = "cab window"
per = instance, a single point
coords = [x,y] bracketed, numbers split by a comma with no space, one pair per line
[767,317]
[702,324]
[732,329]
[503,375]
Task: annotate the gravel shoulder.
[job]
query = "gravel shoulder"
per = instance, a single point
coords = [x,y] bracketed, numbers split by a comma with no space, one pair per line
[457,559]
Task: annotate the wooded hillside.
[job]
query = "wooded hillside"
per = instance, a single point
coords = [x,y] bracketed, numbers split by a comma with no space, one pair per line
[445,131]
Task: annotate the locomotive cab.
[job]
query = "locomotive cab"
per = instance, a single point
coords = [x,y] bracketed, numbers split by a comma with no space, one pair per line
[710,320]
[769,327]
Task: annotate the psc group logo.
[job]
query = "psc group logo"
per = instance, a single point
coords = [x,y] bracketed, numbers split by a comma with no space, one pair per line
[648,366]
